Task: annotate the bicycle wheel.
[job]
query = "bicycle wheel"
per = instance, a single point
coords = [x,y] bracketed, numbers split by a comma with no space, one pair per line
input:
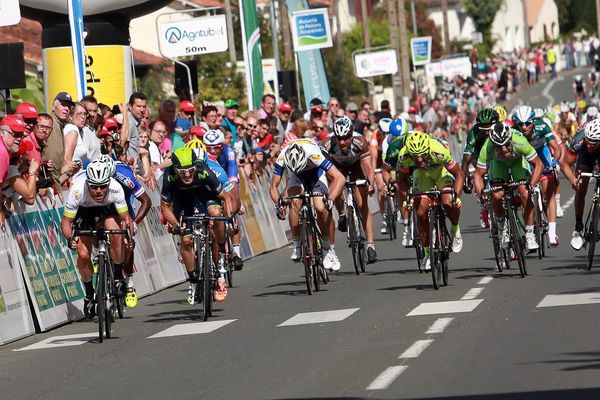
[444,242]
[111,307]
[207,280]
[306,256]
[229,262]
[318,251]
[353,238]
[362,241]
[496,242]
[390,217]
[592,234]
[416,241]
[538,227]
[517,239]
[434,252]
[101,295]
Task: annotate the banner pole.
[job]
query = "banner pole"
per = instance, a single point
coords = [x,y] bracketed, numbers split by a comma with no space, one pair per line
[298,81]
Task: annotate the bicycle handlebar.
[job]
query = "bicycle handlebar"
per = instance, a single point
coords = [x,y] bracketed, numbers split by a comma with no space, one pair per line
[99,232]
[306,195]
[433,193]
[510,185]
[588,175]
[357,183]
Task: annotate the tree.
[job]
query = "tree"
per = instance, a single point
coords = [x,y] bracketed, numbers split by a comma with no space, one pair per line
[483,14]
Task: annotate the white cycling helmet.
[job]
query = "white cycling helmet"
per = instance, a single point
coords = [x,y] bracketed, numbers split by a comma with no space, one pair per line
[539,113]
[592,131]
[99,171]
[592,111]
[295,158]
[523,115]
[213,137]
[108,160]
[501,134]
[564,107]
[384,125]
[578,78]
[343,127]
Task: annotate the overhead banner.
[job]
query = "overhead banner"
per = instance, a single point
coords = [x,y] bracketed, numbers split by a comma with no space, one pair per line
[460,66]
[252,52]
[311,29]
[376,63]
[314,80]
[107,71]
[10,13]
[420,48]
[202,35]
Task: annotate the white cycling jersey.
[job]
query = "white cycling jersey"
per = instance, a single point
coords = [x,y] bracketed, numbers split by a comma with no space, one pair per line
[79,196]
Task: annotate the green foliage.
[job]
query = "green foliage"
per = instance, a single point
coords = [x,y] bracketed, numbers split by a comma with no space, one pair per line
[153,85]
[217,80]
[32,93]
[483,14]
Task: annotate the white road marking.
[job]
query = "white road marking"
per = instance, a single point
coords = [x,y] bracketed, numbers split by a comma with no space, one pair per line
[439,325]
[385,379]
[61,341]
[192,329]
[445,307]
[319,317]
[416,349]
[485,280]
[472,293]
[555,300]
[568,203]
[546,91]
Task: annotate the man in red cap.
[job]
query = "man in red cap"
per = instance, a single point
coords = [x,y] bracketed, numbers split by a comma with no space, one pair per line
[29,113]
[41,131]
[12,129]
[188,108]
[283,120]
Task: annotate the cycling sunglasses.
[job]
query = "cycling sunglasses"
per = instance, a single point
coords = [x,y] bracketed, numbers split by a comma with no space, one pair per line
[187,170]
[98,187]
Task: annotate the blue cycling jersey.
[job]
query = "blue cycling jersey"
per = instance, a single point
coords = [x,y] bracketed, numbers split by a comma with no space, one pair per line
[229,163]
[131,186]
[220,173]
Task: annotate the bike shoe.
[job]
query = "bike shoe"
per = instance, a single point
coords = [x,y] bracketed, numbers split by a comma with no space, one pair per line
[89,308]
[238,263]
[371,255]
[120,288]
[342,224]
[131,299]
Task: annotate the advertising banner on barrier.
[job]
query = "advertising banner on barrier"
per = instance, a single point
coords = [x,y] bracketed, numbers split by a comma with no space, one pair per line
[15,317]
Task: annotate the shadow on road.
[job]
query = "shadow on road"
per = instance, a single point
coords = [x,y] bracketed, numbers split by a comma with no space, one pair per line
[587,359]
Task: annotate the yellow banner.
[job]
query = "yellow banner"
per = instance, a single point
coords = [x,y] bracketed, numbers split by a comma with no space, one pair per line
[108,73]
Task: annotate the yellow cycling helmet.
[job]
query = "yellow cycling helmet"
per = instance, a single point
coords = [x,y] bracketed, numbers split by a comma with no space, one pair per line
[198,147]
[581,104]
[417,143]
[502,114]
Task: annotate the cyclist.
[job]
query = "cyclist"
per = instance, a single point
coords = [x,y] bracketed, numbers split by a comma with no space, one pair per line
[94,196]
[393,143]
[594,79]
[225,157]
[590,115]
[505,153]
[308,168]
[584,152]
[433,167]
[486,118]
[541,137]
[188,185]
[567,123]
[376,149]
[349,152]
[579,87]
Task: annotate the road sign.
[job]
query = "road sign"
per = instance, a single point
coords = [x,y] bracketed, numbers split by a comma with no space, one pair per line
[10,14]
[420,48]
[188,37]
[311,30]
[376,63]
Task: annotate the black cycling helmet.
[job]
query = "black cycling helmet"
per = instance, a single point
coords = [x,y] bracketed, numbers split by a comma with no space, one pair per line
[487,116]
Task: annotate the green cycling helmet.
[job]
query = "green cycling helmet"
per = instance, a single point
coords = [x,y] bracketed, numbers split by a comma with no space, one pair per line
[183,157]
[487,116]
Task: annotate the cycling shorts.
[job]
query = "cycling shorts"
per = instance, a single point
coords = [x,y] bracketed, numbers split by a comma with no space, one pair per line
[314,181]
[424,180]
[500,170]
[90,217]
[188,206]
[586,161]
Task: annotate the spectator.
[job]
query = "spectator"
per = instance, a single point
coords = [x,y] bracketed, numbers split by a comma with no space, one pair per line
[298,130]
[29,113]
[578,51]
[365,105]
[232,108]
[180,136]
[138,103]
[166,114]
[209,115]
[333,106]
[352,111]
[385,111]
[314,103]
[41,131]
[431,117]
[362,123]
[551,57]
[55,149]
[95,120]
[80,145]
[104,110]
[12,129]
[241,128]
[267,107]
[283,121]
[158,160]
[568,52]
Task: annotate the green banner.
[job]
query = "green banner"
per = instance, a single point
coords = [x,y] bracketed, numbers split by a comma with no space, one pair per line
[252,52]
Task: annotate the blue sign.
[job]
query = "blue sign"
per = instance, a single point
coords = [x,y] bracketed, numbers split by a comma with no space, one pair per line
[421,50]
[311,29]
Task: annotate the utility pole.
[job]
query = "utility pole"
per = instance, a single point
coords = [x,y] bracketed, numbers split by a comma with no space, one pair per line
[339,42]
[414,17]
[598,15]
[526,24]
[230,38]
[274,36]
[444,5]
[287,35]
[404,55]
[367,41]
[397,77]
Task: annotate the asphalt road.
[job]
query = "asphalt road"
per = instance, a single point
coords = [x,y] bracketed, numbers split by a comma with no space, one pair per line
[489,335]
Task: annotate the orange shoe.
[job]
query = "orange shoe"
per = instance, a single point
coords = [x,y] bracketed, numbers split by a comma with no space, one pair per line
[221,292]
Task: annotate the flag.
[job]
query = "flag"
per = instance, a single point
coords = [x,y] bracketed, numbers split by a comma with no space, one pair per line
[77,46]
[252,52]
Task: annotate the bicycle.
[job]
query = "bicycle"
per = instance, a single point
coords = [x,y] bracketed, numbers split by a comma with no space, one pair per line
[107,304]
[591,233]
[205,268]
[229,253]
[356,237]
[390,215]
[516,230]
[541,220]
[416,239]
[440,242]
[311,243]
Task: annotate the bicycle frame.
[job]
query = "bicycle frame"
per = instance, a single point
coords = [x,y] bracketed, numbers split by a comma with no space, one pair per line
[355,236]
[591,234]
